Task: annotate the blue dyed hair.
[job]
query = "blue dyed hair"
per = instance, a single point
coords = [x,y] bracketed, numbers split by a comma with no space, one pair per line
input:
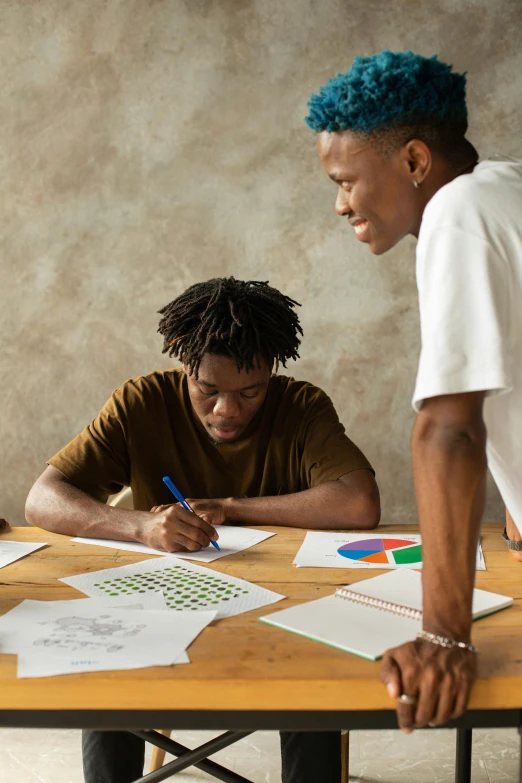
[391,90]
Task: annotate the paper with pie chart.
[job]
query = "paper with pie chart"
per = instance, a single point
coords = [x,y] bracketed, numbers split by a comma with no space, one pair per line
[364,550]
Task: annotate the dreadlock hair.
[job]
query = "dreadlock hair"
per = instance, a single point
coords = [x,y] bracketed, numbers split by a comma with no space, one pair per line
[391,98]
[244,320]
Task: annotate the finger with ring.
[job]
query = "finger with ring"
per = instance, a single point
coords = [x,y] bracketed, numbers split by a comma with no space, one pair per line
[405,699]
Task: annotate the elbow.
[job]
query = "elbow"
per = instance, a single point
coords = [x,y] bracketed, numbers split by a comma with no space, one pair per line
[31,507]
[35,506]
[361,513]
[370,514]
[451,422]
[362,510]
[454,438]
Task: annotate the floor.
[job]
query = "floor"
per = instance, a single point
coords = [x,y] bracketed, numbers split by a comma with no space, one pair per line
[40,756]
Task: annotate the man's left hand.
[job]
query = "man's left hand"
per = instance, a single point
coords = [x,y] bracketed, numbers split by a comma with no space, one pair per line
[5,527]
[213,511]
[439,679]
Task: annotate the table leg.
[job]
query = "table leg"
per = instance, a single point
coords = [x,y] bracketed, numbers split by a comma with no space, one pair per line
[345,756]
[197,757]
[520,756]
[463,756]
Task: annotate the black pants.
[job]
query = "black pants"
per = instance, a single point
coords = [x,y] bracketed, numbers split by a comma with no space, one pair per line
[117,757]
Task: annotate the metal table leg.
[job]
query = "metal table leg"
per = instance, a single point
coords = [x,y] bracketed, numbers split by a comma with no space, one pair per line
[193,758]
[520,756]
[463,756]
[345,756]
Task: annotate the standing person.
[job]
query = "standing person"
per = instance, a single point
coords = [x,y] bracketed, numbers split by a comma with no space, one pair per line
[245,444]
[391,136]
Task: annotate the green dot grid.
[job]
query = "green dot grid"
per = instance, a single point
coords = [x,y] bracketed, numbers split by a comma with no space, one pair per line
[182,590]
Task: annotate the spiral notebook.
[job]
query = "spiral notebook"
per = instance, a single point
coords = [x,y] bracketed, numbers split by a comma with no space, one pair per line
[368,617]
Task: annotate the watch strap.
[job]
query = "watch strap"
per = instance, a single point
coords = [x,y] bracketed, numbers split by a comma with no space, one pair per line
[516,546]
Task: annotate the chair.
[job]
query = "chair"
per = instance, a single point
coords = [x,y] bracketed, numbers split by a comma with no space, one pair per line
[124,500]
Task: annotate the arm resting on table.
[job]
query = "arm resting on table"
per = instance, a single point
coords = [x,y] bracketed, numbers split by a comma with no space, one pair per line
[55,504]
[350,502]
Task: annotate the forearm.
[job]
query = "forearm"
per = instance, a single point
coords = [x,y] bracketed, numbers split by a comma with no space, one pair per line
[328,506]
[449,468]
[61,507]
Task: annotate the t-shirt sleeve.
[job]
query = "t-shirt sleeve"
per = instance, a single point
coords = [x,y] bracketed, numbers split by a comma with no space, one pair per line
[97,460]
[464,311]
[328,453]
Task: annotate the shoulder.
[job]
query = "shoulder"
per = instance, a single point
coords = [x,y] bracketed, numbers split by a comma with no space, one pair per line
[156,386]
[298,395]
[473,202]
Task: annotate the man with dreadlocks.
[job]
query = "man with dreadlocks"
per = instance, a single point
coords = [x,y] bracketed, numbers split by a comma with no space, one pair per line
[391,136]
[243,444]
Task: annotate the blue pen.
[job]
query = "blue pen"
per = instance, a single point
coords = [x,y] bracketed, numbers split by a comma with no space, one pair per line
[179,497]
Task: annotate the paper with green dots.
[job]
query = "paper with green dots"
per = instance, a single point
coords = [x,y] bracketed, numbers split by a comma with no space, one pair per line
[184,586]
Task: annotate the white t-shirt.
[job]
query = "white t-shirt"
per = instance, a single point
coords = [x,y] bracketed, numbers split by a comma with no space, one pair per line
[469,276]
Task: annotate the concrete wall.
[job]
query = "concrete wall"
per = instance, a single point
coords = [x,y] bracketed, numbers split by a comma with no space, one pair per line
[145,146]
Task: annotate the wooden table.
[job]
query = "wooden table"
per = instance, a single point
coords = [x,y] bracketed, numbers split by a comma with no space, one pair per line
[246,674]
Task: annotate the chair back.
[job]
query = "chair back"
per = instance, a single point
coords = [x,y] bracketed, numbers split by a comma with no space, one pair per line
[123,499]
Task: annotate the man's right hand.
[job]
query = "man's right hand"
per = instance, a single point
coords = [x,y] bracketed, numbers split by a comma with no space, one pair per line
[174,529]
[439,679]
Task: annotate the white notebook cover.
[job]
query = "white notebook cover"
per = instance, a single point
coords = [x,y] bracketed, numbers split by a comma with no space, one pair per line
[368,631]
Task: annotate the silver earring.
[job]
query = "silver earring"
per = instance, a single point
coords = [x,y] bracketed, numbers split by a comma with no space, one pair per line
[416,184]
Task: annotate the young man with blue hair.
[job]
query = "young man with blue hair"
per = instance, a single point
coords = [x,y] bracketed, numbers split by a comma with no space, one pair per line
[391,136]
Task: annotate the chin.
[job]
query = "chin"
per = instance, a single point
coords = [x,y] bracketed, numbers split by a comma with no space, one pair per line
[379,248]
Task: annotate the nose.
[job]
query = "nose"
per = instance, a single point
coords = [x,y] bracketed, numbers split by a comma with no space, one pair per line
[342,203]
[226,407]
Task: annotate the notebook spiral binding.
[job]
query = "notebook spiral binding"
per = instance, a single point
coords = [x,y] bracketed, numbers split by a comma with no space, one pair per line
[385,606]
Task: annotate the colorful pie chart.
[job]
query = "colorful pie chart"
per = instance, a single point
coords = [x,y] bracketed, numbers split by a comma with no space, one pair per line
[388,551]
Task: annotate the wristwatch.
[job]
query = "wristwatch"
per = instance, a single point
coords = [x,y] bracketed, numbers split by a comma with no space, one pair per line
[514,545]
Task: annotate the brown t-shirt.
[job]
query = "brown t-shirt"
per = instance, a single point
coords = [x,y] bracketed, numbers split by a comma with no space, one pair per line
[148,429]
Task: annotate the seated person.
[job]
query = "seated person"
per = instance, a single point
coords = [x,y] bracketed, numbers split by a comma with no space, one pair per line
[244,445]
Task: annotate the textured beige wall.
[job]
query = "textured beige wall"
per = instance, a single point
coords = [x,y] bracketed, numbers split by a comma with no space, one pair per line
[145,146]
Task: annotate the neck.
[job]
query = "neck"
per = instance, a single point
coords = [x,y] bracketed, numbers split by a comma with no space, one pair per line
[440,174]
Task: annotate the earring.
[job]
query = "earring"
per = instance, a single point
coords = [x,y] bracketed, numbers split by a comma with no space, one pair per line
[416,184]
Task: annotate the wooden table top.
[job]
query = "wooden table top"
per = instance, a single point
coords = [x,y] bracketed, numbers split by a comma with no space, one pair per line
[240,663]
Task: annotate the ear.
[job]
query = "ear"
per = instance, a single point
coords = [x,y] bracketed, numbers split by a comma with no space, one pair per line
[419,160]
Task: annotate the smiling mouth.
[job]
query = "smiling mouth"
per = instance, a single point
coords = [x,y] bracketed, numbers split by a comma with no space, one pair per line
[361,229]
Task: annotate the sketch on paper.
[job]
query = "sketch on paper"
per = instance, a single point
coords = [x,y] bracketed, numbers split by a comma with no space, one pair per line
[72,633]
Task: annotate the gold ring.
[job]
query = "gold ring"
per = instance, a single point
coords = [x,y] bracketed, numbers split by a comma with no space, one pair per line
[405,699]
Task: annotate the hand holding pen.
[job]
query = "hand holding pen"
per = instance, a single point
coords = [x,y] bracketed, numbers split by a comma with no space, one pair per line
[179,497]
[174,528]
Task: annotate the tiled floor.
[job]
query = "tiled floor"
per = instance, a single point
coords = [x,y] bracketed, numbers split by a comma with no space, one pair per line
[39,756]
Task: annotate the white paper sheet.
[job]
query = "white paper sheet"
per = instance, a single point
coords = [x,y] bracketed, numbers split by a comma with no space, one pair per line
[231,541]
[10,551]
[61,640]
[31,665]
[345,550]
[184,585]
[13,636]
